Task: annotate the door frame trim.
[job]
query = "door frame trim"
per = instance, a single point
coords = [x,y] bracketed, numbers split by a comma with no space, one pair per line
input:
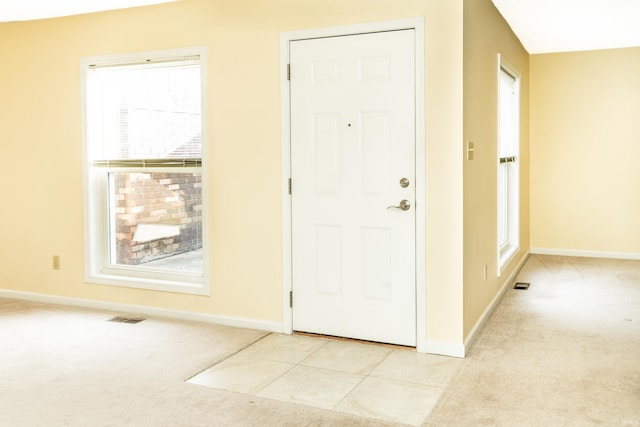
[416,24]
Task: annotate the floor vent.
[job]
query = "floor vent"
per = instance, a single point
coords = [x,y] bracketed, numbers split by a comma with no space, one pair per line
[121,319]
[522,286]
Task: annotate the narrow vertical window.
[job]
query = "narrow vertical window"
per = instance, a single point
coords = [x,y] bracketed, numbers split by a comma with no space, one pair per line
[508,165]
[144,190]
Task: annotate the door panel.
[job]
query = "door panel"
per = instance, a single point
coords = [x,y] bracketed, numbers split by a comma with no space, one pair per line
[376,152]
[352,141]
[328,262]
[376,250]
[327,160]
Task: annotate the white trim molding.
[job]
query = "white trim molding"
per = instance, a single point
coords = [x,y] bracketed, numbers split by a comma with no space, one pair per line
[236,322]
[417,24]
[585,254]
[446,348]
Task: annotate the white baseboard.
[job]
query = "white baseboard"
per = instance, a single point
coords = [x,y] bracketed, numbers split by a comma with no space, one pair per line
[237,322]
[473,334]
[586,254]
[445,348]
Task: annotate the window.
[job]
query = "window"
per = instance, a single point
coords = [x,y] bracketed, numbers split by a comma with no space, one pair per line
[508,164]
[144,193]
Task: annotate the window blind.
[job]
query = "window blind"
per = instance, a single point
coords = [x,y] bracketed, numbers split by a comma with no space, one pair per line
[148,110]
[148,163]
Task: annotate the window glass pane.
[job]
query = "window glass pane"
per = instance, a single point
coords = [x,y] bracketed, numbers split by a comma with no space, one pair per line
[144,112]
[156,220]
[508,129]
[508,169]
[503,206]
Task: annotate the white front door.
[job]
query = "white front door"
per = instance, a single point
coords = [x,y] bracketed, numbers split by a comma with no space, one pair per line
[353,186]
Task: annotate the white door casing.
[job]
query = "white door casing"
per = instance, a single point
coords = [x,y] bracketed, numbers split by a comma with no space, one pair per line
[352,141]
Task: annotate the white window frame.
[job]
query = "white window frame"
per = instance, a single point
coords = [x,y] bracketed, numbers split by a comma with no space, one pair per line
[98,269]
[509,159]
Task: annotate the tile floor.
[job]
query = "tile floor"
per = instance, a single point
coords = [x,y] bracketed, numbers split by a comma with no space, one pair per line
[367,380]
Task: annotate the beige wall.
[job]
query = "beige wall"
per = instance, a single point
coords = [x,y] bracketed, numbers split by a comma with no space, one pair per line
[41,143]
[486,35]
[585,151]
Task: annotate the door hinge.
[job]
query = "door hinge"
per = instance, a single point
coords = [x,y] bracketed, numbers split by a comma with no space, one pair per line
[288,71]
[289,185]
[290,299]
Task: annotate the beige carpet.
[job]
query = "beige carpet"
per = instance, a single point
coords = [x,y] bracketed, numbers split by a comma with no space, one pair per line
[566,352]
[63,366]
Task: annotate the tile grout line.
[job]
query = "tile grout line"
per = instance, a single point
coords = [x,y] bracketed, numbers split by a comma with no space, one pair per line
[228,357]
[326,341]
[255,393]
[293,365]
[360,382]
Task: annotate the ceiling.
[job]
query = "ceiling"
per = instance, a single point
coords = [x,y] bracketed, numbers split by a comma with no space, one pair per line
[543,26]
[28,10]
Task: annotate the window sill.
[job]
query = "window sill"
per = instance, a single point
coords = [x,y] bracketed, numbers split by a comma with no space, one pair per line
[199,286]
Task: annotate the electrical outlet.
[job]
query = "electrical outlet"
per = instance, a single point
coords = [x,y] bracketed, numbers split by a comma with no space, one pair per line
[56,262]
[471,149]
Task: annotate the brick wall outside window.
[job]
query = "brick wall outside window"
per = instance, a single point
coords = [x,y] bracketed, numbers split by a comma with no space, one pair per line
[171,199]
